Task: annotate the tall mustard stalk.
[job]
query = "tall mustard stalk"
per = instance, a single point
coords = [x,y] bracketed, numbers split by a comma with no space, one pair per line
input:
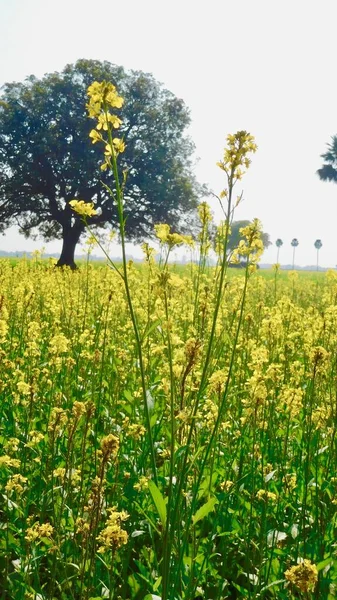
[236,158]
[102,97]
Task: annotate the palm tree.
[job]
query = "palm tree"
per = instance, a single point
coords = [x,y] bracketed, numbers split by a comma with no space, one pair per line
[294,244]
[329,170]
[278,243]
[318,245]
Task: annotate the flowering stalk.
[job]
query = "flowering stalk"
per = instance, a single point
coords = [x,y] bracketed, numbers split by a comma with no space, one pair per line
[235,159]
[214,433]
[103,96]
[205,217]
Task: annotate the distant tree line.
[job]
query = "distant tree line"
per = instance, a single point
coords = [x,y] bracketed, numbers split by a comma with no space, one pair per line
[294,243]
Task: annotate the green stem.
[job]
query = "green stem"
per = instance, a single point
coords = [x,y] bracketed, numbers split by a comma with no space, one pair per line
[167,570]
[167,532]
[120,210]
[218,421]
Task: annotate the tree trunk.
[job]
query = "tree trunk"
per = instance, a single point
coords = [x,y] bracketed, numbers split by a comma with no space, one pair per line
[70,238]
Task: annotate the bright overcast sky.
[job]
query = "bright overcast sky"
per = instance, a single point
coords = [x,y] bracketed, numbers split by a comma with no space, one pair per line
[267,66]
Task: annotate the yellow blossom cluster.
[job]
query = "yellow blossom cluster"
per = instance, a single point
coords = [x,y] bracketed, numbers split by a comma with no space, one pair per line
[102,97]
[58,344]
[113,536]
[236,154]
[84,209]
[304,576]
[109,446]
[164,235]
[251,246]
[12,444]
[142,483]
[7,461]
[226,486]
[133,430]
[16,483]
[266,495]
[57,421]
[34,438]
[37,531]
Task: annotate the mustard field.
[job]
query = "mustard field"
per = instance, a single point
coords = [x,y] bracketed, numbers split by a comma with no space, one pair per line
[198,461]
[167,433]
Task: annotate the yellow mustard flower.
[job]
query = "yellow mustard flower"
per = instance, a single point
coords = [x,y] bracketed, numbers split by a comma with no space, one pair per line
[100,94]
[7,461]
[265,495]
[37,532]
[304,576]
[113,535]
[143,483]
[109,446]
[95,136]
[16,483]
[164,235]
[225,486]
[84,209]
[236,154]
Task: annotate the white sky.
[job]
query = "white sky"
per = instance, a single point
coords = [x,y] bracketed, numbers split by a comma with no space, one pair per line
[268,66]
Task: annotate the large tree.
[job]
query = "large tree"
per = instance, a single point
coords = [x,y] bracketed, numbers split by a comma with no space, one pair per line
[47,158]
[328,172]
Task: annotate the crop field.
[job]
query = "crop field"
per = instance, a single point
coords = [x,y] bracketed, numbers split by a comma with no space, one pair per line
[167,433]
[218,482]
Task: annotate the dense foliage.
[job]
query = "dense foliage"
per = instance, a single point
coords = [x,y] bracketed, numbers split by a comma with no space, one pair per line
[328,172]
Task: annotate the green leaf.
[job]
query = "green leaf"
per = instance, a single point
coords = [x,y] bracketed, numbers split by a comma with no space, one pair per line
[324,563]
[272,584]
[157,584]
[241,589]
[128,396]
[159,501]
[153,525]
[204,510]
[207,485]
[150,327]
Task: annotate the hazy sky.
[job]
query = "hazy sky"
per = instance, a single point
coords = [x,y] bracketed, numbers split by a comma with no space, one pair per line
[267,66]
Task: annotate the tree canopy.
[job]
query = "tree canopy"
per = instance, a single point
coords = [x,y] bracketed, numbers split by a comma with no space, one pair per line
[328,172]
[47,158]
